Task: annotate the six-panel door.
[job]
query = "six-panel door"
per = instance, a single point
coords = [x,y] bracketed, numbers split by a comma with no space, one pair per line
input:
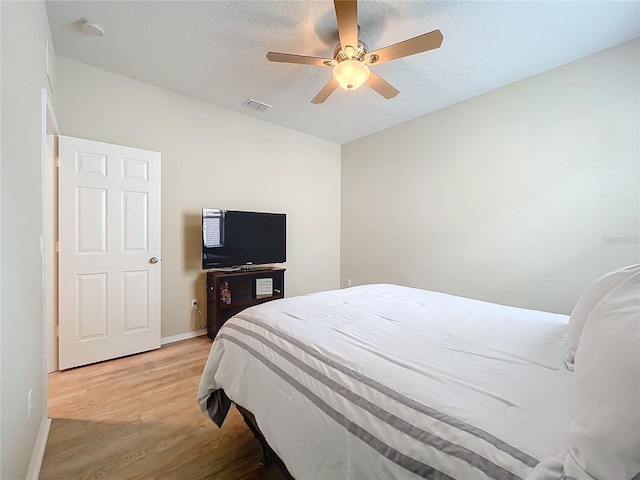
[109,268]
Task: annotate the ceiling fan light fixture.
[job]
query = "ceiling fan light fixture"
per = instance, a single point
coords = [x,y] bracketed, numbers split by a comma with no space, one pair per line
[351,74]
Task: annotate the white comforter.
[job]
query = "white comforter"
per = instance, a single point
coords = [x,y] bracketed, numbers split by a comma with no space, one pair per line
[382,381]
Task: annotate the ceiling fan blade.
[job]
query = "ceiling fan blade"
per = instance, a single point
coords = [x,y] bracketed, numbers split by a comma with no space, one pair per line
[347,15]
[326,91]
[291,58]
[421,43]
[382,86]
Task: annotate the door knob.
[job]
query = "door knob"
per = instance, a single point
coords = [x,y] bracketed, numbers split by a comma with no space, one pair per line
[153,260]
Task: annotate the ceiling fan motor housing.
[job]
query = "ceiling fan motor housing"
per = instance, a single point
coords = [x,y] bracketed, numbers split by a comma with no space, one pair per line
[340,54]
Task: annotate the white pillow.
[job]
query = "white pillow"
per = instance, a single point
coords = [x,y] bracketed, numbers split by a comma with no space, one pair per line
[604,434]
[588,301]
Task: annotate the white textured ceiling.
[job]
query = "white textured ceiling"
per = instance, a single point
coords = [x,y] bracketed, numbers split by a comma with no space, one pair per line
[215,51]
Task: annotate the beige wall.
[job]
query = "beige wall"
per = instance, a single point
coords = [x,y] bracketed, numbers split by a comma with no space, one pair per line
[521,196]
[215,158]
[24,32]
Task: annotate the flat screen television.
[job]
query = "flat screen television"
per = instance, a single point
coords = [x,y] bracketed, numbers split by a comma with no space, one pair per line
[233,238]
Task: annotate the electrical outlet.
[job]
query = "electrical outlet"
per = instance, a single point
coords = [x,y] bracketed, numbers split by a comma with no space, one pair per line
[348,282]
[194,304]
[29,403]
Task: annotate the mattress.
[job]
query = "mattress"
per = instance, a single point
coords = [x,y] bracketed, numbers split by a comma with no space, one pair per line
[384,381]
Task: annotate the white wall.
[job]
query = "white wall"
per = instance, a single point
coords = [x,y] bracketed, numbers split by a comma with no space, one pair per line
[24,29]
[212,157]
[521,196]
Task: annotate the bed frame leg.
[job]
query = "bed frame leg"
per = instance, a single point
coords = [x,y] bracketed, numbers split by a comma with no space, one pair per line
[266,457]
[249,419]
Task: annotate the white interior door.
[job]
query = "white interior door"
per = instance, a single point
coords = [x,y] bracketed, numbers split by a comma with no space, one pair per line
[109,259]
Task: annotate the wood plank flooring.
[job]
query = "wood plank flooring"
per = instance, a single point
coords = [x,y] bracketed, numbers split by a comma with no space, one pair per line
[137,418]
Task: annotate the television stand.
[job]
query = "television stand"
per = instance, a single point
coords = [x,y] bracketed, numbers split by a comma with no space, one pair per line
[241,290]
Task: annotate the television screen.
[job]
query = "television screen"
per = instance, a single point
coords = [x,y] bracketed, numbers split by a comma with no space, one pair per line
[232,238]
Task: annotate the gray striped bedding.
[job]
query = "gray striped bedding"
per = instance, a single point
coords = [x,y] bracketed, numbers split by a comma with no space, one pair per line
[382,381]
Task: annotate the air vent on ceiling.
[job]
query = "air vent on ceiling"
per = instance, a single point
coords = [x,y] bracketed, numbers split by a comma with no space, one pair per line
[256,105]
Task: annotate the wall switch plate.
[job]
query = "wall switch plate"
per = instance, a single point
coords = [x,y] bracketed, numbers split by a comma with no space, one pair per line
[29,403]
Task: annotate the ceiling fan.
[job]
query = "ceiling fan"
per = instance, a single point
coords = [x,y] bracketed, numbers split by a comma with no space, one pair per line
[351,58]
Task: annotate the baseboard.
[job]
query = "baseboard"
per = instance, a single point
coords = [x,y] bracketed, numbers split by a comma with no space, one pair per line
[183,336]
[38,450]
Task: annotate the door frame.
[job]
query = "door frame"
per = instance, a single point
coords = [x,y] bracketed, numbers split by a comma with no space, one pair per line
[48,239]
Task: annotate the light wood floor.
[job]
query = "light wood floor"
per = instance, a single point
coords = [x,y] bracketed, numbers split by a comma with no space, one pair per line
[137,418]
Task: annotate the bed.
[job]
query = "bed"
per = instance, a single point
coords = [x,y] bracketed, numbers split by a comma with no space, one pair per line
[385,381]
